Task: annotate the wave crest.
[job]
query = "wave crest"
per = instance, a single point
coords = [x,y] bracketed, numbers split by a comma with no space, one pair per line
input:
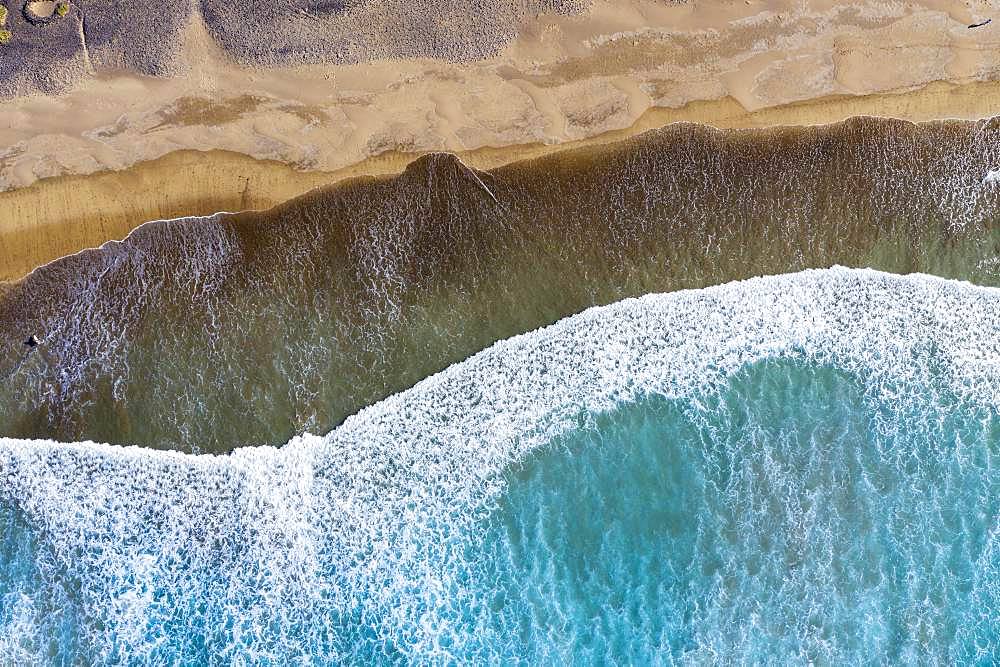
[344,546]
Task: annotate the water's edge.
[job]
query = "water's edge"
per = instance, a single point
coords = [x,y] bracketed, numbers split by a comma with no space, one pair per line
[345,544]
[207,334]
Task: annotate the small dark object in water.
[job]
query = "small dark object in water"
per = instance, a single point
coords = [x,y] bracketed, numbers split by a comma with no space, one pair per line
[979,25]
[32,341]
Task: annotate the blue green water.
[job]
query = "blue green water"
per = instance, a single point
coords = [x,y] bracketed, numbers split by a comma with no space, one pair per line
[757,473]
[786,518]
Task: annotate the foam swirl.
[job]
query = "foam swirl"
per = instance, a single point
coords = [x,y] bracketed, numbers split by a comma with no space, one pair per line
[344,547]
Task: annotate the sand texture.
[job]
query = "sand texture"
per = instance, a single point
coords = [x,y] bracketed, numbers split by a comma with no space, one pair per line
[49,52]
[353,31]
[563,74]
[314,91]
[58,216]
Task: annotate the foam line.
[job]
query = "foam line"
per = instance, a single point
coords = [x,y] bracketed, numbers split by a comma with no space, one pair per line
[351,529]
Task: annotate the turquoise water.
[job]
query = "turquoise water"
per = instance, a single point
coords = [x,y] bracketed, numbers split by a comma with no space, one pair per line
[787,518]
[787,470]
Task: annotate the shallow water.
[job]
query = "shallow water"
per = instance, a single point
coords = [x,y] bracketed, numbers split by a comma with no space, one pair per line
[790,469]
[207,334]
[786,519]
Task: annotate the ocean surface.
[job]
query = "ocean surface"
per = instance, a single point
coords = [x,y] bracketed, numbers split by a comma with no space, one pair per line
[799,469]
[544,414]
[208,334]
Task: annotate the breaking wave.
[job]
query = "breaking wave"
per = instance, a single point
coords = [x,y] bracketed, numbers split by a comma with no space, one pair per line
[792,469]
[207,334]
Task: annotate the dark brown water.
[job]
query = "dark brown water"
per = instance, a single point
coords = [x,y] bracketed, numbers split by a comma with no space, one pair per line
[206,334]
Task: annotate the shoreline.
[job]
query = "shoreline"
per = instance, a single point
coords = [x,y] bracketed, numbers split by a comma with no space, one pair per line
[835,272]
[359,289]
[59,216]
[118,146]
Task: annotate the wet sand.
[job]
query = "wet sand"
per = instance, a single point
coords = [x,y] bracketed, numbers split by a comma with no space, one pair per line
[512,81]
[209,333]
[58,216]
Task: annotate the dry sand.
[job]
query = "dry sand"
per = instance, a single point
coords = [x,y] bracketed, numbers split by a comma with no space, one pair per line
[615,69]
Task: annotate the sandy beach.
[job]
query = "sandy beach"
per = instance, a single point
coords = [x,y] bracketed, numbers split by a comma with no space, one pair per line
[218,131]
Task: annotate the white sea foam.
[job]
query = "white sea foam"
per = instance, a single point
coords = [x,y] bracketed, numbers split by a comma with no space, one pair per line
[356,524]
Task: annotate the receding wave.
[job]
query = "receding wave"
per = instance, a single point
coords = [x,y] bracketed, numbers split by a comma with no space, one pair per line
[797,468]
[209,334]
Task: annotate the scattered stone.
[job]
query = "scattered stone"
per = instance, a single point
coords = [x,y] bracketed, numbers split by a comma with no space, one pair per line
[48,55]
[296,32]
[39,12]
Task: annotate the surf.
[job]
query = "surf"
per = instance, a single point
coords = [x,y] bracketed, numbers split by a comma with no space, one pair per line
[207,334]
[492,510]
